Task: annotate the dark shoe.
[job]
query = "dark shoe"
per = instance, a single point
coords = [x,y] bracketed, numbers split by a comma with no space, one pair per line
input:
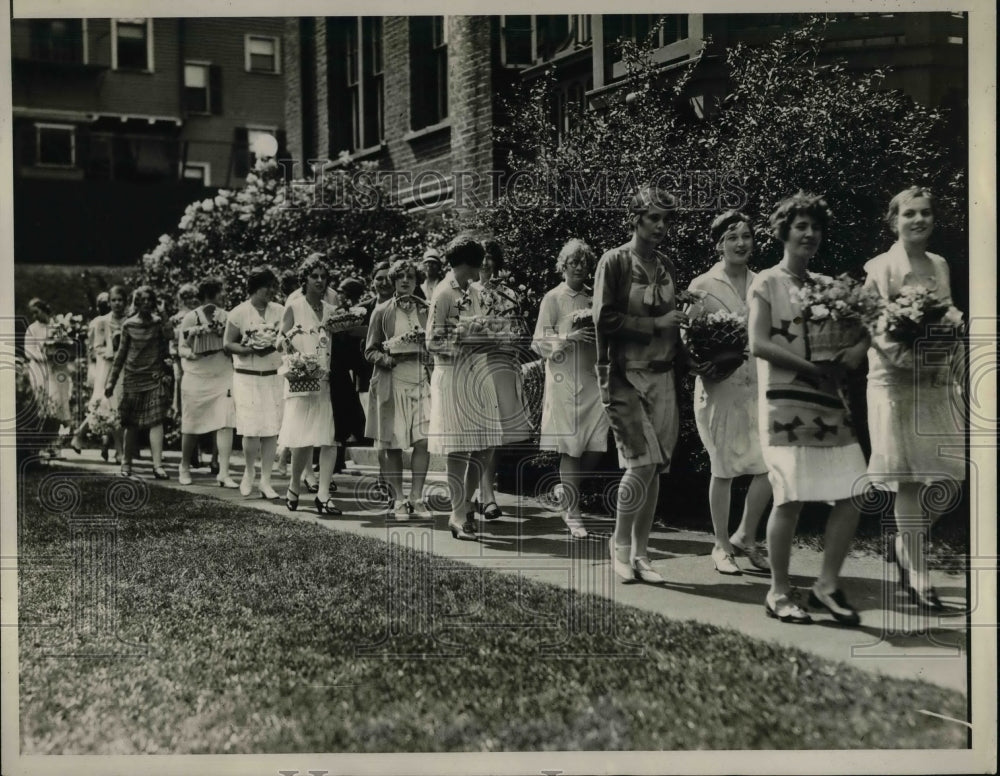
[104,454]
[159,473]
[126,470]
[326,509]
[75,448]
[465,531]
[333,486]
[312,487]
[752,553]
[214,467]
[783,609]
[927,599]
[291,500]
[836,604]
[490,511]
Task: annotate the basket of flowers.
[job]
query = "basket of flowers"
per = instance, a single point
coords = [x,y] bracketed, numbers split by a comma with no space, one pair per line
[304,373]
[261,339]
[916,313]
[717,343]
[533,380]
[836,311]
[353,320]
[206,338]
[409,342]
[582,319]
[66,334]
[102,418]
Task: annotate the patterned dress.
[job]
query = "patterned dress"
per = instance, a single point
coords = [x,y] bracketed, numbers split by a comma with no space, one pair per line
[915,412]
[725,411]
[807,436]
[143,361]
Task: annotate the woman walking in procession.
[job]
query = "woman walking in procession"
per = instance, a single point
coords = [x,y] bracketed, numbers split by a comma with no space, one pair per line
[464,418]
[725,411]
[573,420]
[251,333]
[307,419]
[143,362]
[399,397]
[207,389]
[917,431]
[808,443]
[638,326]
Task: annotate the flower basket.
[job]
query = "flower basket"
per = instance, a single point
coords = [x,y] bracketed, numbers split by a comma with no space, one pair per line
[61,351]
[302,386]
[827,337]
[205,342]
[403,344]
[717,344]
[582,319]
[353,321]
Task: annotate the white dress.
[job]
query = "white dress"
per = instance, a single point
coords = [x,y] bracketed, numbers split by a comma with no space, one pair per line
[207,387]
[259,398]
[573,418]
[307,420]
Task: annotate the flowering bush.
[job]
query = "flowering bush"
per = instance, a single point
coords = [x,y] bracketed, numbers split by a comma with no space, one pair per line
[907,316]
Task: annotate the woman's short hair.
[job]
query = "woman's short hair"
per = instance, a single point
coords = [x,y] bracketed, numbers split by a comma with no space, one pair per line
[147,292]
[464,249]
[723,222]
[383,265]
[289,281]
[896,203]
[209,287]
[187,290]
[575,248]
[41,304]
[351,288]
[493,251]
[400,267]
[800,204]
[120,290]
[260,277]
[649,197]
[310,263]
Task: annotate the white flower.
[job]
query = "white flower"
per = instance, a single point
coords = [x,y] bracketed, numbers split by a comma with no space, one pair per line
[818,312]
[952,317]
[207,205]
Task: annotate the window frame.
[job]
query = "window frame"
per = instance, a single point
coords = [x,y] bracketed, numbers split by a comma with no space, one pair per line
[132,21]
[44,125]
[428,59]
[248,58]
[205,167]
[209,102]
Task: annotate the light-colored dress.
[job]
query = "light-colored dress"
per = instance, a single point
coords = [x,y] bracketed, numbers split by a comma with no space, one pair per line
[307,420]
[725,411]
[50,376]
[807,436]
[465,414]
[573,419]
[399,397]
[915,407]
[207,387]
[258,389]
[504,364]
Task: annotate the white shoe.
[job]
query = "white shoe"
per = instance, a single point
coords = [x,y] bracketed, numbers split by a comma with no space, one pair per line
[575,525]
[725,563]
[246,483]
[184,477]
[401,511]
[622,568]
[644,570]
[421,510]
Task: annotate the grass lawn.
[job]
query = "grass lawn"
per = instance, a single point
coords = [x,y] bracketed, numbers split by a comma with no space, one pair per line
[253,623]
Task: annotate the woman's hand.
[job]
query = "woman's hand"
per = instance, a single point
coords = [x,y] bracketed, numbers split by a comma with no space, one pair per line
[671,320]
[582,335]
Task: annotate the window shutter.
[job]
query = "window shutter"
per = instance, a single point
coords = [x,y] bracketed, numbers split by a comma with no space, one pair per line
[241,152]
[215,89]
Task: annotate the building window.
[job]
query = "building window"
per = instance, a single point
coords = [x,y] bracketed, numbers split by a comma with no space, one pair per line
[527,40]
[357,92]
[200,172]
[428,70]
[132,44]
[197,97]
[57,40]
[262,54]
[55,145]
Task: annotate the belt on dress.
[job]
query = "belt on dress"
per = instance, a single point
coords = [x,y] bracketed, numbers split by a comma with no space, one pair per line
[650,366]
[256,372]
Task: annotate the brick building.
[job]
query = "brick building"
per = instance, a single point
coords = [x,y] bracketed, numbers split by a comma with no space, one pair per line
[421,95]
[120,123]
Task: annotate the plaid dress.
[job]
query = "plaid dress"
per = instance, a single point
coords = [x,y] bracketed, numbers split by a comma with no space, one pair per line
[143,362]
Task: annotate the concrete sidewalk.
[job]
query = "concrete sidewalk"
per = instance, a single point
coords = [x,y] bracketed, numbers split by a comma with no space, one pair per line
[530,540]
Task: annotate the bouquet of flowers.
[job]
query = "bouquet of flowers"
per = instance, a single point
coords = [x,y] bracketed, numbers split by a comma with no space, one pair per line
[836,311]
[408,342]
[260,338]
[102,418]
[717,343]
[346,320]
[66,334]
[582,319]
[907,316]
[206,338]
[303,372]
[533,377]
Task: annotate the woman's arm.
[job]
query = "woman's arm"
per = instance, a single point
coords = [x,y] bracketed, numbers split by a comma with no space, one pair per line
[373,341]
[438,328]
[119,362]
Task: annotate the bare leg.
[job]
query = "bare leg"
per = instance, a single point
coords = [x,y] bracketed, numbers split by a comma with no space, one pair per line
[633,493]
[569,476]
[474,474]
[840,528]
[392,470]
[251,449]
[327,460]
[419,461]
[780,534]
[719,501]
[267,450]
[189,447]
[458,465]
[156,445]
[643,525]
[489,471]
[131,432]
[758,495]
[300,457]
[224,445]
